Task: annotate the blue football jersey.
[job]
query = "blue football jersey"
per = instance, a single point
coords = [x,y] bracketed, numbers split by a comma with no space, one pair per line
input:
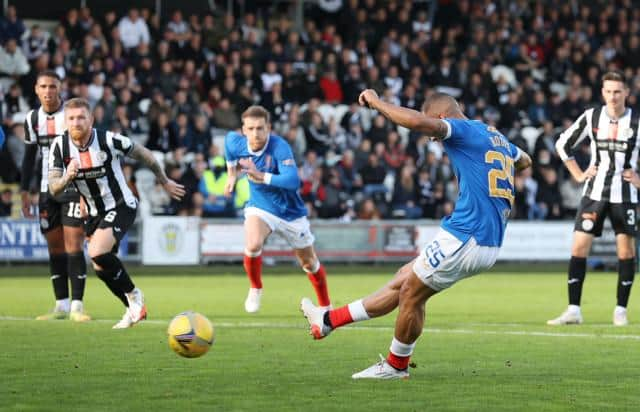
[484,163]
[280,197]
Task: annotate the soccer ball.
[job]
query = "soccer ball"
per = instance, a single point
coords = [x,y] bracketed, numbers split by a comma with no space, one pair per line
[190,334]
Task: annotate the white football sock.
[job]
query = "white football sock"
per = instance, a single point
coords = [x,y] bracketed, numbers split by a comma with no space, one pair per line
[62,305]
[574,309]
[76,306]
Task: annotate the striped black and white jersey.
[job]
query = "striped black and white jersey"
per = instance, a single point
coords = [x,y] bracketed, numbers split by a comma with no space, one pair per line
[41,128]
[614,148]
[100,179]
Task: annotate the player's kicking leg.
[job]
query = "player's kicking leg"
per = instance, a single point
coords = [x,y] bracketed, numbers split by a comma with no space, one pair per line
[323,321]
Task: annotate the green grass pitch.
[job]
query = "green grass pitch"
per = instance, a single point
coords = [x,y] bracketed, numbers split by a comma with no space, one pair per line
[485,347]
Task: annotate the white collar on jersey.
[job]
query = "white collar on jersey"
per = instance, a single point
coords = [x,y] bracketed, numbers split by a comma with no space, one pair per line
[58,110]
[259,152]
[626,113]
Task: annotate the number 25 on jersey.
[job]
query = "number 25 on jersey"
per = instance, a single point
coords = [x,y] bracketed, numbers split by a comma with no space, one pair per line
[504,173]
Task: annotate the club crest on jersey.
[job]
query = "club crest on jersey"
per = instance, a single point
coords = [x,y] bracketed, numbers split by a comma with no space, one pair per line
[628,133]
[66,160]
[102,156]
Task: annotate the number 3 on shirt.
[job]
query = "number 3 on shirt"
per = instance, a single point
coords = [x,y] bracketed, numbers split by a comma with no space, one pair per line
[504,172]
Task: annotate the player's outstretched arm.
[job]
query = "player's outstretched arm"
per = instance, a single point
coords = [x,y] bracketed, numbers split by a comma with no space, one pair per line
[402,116]
[144,156]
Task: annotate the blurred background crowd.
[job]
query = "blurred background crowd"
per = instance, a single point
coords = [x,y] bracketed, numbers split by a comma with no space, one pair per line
[177,83]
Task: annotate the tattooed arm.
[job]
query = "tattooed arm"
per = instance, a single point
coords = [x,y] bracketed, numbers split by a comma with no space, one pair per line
[58,181]
[144,156]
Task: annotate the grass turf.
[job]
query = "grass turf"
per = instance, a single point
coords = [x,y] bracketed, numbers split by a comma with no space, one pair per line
[485,347]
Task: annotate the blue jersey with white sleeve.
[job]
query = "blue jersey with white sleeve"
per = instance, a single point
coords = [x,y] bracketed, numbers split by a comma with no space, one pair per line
[484,163]
[279,194]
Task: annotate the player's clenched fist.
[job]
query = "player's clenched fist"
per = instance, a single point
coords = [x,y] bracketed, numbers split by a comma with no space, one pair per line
[72,169]
[367,96]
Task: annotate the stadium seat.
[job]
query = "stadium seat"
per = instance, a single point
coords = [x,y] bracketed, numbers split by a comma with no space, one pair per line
[530,134]
[327,112]
[506,72]
[143,105]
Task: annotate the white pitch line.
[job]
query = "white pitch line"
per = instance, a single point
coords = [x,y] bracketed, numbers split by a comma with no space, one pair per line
[386,329]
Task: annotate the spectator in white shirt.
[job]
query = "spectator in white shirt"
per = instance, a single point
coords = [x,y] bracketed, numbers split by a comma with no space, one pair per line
[133,30]
[13,62]
[270,76]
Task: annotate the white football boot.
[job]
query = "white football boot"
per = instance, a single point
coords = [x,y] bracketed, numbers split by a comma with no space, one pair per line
[125,322]
[570,316]
[381,370]
[315,317]
[252,303]
[137,308]
[620,316]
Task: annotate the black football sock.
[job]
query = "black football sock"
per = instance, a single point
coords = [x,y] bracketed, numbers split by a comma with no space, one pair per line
[108,280]
[626,273]
[59,278]
[77,275]
[112,266]
[577,272]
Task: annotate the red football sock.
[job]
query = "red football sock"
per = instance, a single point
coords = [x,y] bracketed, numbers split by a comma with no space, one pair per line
[398,362]
[253,267]
[340,317]
[319,282]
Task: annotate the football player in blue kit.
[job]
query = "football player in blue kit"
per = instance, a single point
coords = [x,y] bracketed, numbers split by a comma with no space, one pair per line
[274,205]
[468,241]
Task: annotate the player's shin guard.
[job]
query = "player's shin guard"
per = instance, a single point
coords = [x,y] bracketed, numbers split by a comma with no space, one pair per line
[626,274]
[59,277]
[253,267]
[400,353]
[353,312]
[577,272]
[77,274]
[114,274]
[318,278]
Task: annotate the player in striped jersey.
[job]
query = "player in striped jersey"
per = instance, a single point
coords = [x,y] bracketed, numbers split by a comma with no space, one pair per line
[90,159]
[60,216]
[612,130]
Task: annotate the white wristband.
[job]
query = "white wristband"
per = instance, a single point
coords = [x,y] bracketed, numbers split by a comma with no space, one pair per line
[267,178]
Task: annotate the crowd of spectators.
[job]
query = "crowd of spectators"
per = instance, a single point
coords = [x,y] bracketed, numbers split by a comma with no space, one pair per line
[177,84]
